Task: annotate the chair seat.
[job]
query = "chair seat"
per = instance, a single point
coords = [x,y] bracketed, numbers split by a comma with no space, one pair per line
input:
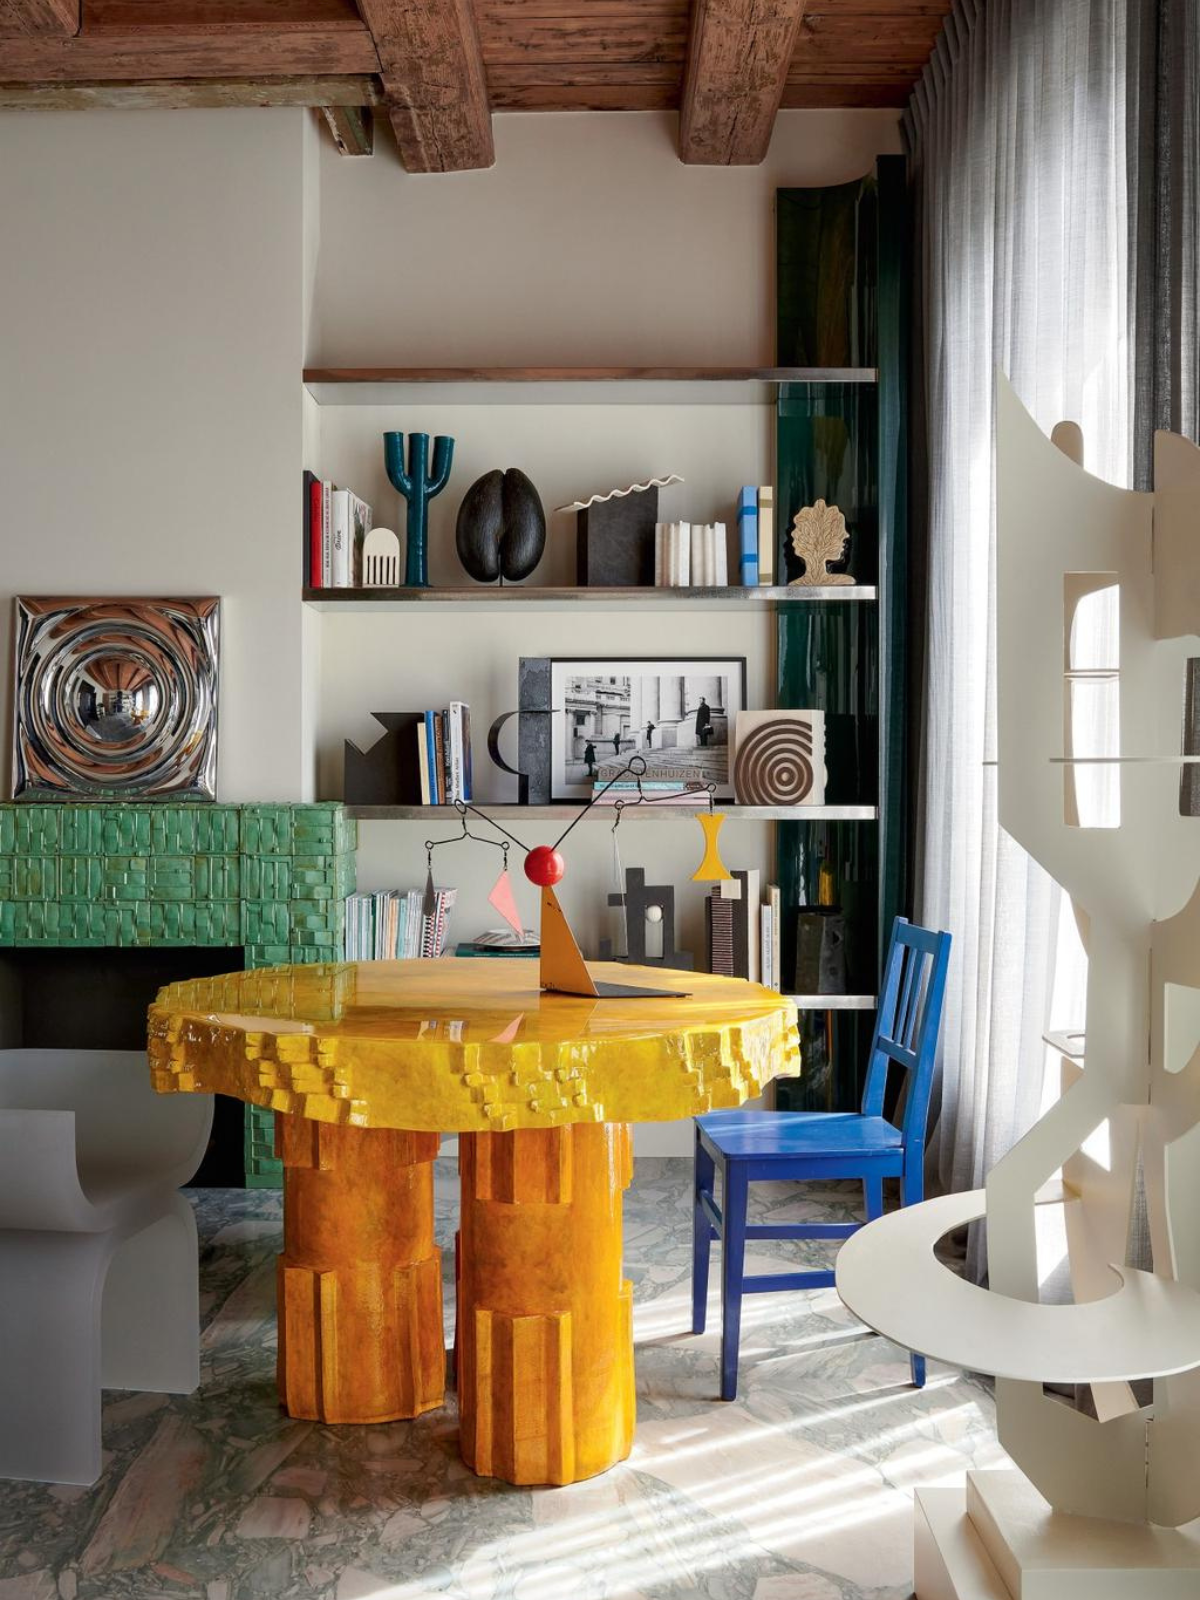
[784,1135]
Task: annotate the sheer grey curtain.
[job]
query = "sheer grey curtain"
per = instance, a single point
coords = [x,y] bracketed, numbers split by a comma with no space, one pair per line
[1164,188]
[1020,142]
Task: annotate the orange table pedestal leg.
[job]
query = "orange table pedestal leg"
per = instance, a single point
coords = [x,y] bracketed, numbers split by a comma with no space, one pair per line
[359,1280]
[545,1319]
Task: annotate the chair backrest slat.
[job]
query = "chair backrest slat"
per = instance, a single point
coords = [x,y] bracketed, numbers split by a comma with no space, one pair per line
[907,1022]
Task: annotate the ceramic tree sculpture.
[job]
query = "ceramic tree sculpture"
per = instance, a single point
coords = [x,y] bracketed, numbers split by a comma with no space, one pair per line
[418,487]
[1098,614]
[819,538]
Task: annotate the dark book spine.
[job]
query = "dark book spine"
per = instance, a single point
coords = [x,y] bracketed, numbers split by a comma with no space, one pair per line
[311,555]
[741,912]
[721,934]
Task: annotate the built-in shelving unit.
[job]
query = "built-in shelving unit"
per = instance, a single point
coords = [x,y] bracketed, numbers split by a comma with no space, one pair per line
[518,597]
[372,386]
[631,813]
[426,388]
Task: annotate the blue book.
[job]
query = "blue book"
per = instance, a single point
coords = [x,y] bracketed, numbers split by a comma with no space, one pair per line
[431,757]
[747,517]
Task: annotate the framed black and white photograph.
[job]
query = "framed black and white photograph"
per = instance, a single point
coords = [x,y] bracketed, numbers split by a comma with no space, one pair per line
[678,714]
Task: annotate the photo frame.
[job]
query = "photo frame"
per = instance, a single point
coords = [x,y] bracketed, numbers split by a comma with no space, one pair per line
[676,712]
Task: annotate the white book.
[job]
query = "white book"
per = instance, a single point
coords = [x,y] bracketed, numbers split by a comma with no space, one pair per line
[683,554]
[753,892]
[775,976]
[710,555]
[721,554]
[673,555]
[766,535]
[341,537]
[696,557]
[361,517]
[456,751]
[768,943]
[660,554]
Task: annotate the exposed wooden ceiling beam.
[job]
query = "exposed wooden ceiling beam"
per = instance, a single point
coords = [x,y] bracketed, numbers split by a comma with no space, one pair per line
[738,59]
[54,17]
[352,127]
[180,94]
[194,53]
[434,82]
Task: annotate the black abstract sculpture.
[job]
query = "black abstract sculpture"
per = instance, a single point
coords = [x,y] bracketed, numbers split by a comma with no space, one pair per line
[389,772]
[638,899]
[501,529]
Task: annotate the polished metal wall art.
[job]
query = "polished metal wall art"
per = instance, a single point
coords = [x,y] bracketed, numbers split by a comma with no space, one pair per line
[115,699]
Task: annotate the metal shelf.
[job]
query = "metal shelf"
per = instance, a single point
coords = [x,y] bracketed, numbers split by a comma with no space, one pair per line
[518,597]
[375,386]
[833,1002]
[643,813]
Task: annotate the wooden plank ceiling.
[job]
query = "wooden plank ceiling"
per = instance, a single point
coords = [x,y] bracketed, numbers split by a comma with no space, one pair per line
[438,69]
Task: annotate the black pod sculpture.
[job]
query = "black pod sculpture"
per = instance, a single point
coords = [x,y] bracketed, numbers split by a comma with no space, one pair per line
[501,530]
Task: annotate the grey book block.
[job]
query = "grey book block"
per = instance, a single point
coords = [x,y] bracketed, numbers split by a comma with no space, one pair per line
[616,541]
[741,911]
[533,726]
[719,918]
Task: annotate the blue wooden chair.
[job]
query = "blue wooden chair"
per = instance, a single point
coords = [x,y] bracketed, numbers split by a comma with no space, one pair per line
[752,1146]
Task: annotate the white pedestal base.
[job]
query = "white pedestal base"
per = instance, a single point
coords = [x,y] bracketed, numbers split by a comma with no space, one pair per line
[999,1540]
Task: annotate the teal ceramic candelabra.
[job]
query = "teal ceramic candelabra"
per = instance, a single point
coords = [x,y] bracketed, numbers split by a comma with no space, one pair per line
[418,488]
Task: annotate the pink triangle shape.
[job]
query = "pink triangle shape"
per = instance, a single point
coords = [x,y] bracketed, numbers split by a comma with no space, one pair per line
[502,898]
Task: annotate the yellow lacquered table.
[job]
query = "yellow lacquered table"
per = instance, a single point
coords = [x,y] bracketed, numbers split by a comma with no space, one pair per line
[367,1064]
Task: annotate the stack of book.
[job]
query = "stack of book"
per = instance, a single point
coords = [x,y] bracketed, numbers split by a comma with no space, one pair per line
[444,755]
[667,787]
[756,536]
[390,925]
[742,923]
[502,942]
[336,523]
[690,555]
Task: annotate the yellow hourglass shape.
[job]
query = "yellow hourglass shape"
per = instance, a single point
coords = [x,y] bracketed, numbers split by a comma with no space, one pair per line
[711,869]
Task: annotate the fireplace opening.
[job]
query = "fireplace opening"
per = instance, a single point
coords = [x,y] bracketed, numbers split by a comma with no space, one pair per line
[52,998]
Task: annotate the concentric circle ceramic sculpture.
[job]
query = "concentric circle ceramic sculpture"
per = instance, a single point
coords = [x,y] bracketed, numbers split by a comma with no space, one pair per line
[115,698]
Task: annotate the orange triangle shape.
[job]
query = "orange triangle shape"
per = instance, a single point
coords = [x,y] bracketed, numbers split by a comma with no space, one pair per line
[563,968]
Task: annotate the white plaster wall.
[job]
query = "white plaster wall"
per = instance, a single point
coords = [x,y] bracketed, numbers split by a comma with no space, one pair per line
[151,338]
[588,243]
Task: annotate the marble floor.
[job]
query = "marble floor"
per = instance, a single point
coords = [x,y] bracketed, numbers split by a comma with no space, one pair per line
[799,1490]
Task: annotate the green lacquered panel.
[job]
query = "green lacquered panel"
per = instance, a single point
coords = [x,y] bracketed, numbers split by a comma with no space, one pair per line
[827,448]
[842,287]
[848,853]
[833,1047]
[894,303]
[825,275]
[828,659]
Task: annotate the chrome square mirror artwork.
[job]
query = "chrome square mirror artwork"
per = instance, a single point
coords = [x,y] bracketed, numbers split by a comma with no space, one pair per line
[115,699]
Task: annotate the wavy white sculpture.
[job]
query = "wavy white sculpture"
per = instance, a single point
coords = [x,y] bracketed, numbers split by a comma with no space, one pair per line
[98,1271]
[1098,616]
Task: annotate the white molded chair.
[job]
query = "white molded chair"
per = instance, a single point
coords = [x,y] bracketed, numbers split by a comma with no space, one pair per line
[98,1255]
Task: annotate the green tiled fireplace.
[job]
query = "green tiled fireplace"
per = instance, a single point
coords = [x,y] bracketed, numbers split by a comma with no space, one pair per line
[269,879]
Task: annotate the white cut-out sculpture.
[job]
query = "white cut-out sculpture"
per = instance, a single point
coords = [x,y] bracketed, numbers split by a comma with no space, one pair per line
[1089,723]
[98,1259]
